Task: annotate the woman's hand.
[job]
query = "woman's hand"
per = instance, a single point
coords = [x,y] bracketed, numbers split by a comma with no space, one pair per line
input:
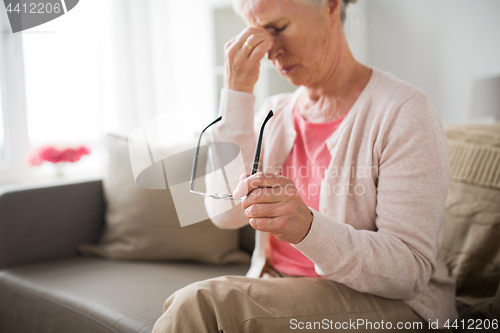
[242,61]
[273,204]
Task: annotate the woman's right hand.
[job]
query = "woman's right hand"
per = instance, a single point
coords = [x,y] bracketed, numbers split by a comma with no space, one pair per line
[241,62]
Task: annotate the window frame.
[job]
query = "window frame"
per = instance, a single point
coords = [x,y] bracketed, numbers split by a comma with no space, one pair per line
[12,89]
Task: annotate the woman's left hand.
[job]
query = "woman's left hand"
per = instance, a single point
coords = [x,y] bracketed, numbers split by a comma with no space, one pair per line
[273,204]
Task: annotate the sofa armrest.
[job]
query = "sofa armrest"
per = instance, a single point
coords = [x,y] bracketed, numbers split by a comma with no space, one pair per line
[49,222]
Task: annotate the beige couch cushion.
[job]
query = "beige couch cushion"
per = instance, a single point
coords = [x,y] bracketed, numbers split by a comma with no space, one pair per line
[142,224]
[472,220]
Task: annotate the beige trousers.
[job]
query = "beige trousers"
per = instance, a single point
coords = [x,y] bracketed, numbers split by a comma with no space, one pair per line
[277,302]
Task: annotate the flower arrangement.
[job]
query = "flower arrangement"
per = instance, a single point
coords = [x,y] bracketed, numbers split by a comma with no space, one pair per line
[56,155]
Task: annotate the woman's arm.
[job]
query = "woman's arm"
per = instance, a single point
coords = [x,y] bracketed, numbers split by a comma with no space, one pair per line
[241,72]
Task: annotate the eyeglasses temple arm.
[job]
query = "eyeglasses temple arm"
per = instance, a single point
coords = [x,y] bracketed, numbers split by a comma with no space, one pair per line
[259,143]
[196,153]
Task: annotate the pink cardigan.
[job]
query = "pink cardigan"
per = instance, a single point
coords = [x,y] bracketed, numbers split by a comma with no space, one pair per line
[379,225]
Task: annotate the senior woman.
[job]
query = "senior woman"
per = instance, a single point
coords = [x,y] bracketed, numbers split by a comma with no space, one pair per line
[349,229]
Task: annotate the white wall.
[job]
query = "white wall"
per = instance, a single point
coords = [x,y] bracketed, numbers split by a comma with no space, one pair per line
[441,46]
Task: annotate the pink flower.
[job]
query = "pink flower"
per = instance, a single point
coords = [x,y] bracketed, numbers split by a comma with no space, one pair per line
[83,150]
[70,155]
[34,158]
[50,154]
[54,155]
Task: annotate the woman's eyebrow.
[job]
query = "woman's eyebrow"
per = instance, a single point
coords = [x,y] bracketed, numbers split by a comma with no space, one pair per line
[272,23]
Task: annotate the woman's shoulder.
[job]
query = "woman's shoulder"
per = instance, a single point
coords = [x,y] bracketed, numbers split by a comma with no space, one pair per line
[390,97]
[396,106]
[393,89]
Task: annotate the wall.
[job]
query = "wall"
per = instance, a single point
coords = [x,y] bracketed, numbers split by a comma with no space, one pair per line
[441,46]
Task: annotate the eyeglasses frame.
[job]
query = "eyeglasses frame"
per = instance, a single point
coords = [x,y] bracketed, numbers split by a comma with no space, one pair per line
[255,164]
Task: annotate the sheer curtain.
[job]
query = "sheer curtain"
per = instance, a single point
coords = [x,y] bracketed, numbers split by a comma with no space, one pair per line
[157,60]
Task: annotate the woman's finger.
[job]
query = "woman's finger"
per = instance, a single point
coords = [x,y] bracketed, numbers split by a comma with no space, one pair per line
[245,34]
[264,223]
[263,195]
[285,212]
[257,180]
[248,46]
[251,47]
[230,42]
[261,49]
[243,176]
[233,46]
[264,210]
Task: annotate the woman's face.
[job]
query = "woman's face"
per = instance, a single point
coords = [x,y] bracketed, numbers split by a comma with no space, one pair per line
[304,38]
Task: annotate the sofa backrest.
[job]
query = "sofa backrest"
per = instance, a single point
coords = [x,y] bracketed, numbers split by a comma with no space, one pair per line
[48,222]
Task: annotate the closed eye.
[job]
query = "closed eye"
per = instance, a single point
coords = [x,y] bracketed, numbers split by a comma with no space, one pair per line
[282,28]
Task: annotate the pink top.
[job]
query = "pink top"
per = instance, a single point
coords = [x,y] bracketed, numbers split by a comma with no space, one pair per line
[306,166]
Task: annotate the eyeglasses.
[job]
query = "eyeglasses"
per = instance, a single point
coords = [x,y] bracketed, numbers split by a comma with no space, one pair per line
[225,195]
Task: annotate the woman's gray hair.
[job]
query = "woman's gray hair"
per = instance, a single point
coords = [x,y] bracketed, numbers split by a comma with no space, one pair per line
[317,4]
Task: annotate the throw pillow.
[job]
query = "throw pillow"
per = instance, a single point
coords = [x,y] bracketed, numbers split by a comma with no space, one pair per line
[472,218]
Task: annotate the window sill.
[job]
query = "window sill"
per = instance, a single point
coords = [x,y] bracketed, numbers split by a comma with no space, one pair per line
[40,181]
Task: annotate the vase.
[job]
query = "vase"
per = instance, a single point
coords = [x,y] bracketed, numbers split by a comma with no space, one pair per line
[59,170]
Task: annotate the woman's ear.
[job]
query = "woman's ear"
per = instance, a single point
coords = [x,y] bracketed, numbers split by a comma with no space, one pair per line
[334,8]
[333,4]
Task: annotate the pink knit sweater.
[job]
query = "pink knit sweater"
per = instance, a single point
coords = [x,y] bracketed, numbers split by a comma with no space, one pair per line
[378,229]
[305,166]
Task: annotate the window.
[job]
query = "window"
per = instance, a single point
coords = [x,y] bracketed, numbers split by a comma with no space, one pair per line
[2,134]
[61,63]
[13,136]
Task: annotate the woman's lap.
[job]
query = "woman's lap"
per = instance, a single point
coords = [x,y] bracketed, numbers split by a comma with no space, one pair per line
[282,304]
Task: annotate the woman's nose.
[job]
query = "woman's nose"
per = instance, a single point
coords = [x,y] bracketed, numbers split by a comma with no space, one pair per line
[276,51]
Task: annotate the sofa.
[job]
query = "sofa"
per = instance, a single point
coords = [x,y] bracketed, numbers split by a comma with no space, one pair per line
[46,286]
[56,275]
